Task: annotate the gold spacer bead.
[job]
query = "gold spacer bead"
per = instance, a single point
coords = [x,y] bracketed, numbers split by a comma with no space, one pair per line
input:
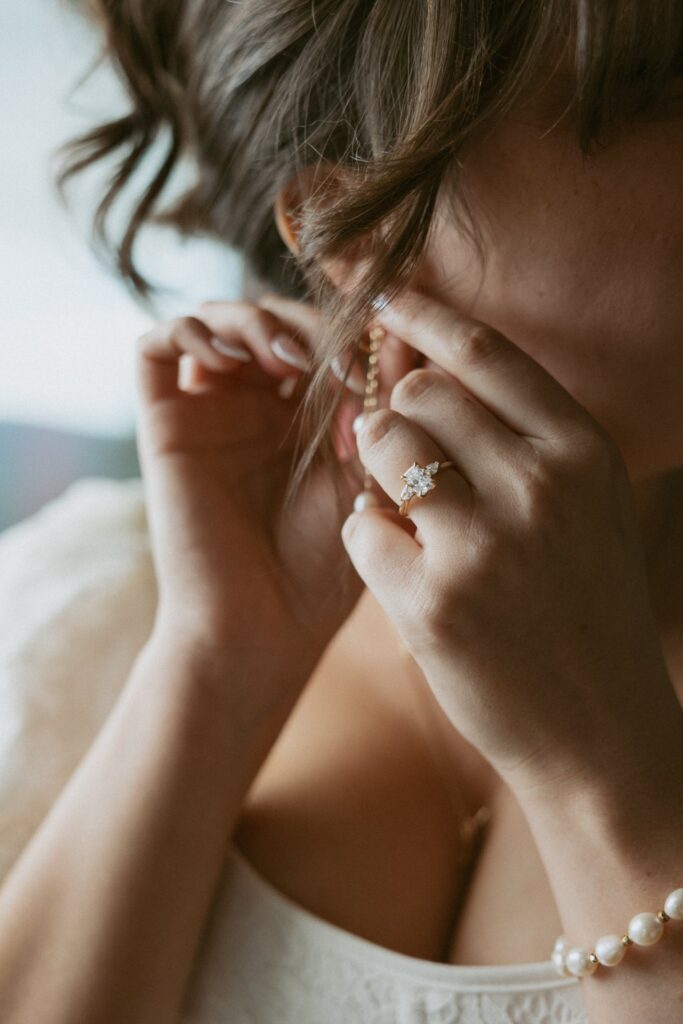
[625,941]
[663,916]
[376,333]
[593,958]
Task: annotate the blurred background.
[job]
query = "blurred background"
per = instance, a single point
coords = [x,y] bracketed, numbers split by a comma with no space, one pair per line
[68,326]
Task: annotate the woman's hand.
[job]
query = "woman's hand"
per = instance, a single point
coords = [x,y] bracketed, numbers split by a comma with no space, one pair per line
[238,573]
[523,594]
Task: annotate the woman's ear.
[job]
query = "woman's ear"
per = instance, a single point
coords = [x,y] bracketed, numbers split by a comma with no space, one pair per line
[321,181]
[286,218]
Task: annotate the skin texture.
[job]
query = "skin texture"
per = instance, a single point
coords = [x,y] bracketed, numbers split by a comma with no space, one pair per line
[283,714]
[533,530]
[583,260]
[581,271]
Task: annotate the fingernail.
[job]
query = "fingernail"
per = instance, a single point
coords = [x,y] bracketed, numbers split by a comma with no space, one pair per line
[233,351]
[287,387]
[379,303]
[355,381]
[186,372]
[290,352]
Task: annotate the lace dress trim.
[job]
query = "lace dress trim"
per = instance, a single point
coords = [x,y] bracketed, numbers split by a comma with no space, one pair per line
[284,965]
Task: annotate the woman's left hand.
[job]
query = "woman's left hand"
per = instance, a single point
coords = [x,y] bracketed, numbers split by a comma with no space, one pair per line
[523,594]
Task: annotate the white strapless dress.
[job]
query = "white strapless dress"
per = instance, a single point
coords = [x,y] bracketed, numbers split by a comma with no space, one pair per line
[77,600]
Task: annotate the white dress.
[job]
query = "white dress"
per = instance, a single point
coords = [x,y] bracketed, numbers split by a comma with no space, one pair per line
[77,600]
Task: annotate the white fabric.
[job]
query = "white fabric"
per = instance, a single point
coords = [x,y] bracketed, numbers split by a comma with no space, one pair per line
[77,599]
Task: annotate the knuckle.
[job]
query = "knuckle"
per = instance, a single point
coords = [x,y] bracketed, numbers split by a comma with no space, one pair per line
[590,449]
[377,427]
[149,338]
[436,615]
[143,340]
[373,551]
[479,344]
[437,618]
[411,387]
[536,485]
[255,321]
[245,315]
[185,325]
[214,306]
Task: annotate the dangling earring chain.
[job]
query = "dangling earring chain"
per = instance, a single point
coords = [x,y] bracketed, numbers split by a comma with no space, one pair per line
[471,825]
[366,498]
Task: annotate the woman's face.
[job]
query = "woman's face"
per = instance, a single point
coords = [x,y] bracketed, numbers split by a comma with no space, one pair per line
[583,269]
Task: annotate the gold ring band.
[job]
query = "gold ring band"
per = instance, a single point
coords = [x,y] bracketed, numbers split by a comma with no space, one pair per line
[419,480]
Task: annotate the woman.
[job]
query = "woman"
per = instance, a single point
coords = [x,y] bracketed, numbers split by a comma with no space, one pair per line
[487,192]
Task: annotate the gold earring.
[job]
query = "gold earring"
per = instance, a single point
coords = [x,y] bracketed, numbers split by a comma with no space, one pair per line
[366,498]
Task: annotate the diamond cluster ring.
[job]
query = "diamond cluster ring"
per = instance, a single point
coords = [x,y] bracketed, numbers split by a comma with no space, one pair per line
[419,480]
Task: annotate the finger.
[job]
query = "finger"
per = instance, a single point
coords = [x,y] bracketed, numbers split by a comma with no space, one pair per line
[161,349]
[383,553]
[192,376]
[517,389]
[467,432]
[303,318]
[388,445]
[396,359]
[195,379]
[278,349]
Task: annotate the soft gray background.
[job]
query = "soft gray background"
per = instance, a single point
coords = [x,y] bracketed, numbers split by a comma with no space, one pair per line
[68,327]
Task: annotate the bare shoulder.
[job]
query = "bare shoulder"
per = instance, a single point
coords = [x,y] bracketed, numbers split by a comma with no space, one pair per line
[348,816]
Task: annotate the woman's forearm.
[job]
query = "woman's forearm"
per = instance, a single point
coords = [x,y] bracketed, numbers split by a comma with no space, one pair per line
[100,917]
[612,849]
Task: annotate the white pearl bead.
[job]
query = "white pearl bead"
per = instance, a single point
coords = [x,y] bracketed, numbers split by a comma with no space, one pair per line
[579,963]
[366,499]
[358,422]
[558,961]
[645,929]
[674,905]
[610,950]
[561,945]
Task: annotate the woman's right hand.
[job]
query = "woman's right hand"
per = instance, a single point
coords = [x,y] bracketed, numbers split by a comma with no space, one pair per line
[238,573]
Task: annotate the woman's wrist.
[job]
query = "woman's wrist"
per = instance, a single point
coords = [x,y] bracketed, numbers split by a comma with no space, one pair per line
[611,845]
[246,682]
[617,747]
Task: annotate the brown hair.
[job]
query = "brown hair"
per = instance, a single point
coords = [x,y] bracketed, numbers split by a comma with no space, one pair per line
[250,92]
